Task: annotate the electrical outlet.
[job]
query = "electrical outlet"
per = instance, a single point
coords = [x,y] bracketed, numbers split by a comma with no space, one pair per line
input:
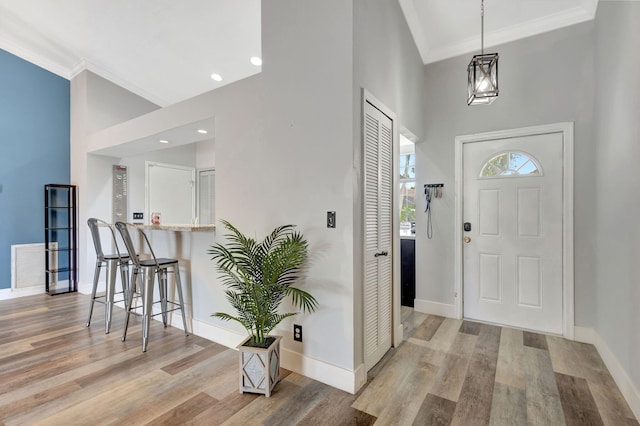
[297,333]
[138,216]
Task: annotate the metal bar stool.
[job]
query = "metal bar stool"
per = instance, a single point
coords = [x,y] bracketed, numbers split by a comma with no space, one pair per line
[112,262]
[149,268]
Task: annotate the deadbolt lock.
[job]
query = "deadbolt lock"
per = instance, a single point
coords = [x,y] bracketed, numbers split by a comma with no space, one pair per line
[467,240]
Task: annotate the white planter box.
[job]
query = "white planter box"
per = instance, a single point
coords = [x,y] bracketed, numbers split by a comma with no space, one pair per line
[259,367]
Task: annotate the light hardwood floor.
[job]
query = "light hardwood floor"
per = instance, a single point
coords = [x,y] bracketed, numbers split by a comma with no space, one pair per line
[56,371]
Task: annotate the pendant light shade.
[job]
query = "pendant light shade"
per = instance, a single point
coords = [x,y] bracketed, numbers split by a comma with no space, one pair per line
[482,82]
[483,79]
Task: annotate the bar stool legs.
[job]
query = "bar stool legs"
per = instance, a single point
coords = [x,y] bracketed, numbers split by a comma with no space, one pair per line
[146,294]
[96,277]
[112,262]
[112,266]
[180,299]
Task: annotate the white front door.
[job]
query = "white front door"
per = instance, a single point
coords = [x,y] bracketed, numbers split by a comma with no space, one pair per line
[378,212]
[512,254]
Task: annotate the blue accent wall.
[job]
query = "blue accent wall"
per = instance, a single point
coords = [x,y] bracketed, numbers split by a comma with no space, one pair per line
[34,150]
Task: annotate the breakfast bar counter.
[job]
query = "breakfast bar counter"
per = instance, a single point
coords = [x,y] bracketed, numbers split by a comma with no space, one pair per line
[178,228]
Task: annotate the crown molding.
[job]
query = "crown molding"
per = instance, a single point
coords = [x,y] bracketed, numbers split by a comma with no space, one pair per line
[508,34]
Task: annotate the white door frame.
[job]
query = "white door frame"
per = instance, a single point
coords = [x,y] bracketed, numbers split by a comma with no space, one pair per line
[147,165]
[566,129]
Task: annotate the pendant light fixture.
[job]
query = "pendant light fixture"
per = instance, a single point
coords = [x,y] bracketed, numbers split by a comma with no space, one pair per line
[483,72]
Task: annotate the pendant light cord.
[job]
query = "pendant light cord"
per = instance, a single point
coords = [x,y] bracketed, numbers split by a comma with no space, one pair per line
[482,27]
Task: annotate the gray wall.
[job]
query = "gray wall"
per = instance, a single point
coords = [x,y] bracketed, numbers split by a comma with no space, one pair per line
[618,187]
[110,104]
[302,168]
[544,79]
[386,62]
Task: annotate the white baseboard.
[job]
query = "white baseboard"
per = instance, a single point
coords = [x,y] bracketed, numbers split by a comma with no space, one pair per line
[321,371]
[585,335]
[220,335]
[85,288]
[434,308]
[348,381]
[620,376]
[7,293]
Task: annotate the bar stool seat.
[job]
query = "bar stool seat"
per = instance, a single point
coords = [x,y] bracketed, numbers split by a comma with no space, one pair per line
[113,262]
[149,268]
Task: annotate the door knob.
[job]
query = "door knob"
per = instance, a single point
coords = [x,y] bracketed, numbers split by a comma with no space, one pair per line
[467,240]
[382,253]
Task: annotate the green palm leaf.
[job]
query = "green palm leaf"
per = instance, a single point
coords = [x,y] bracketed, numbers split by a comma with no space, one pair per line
[259,276]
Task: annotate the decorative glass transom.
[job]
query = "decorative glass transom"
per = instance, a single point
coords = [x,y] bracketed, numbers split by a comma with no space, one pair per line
[511,164]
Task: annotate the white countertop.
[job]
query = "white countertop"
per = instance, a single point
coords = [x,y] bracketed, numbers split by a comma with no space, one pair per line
[178,227]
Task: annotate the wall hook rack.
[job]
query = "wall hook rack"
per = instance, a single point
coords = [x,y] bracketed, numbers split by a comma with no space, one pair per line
[431,190]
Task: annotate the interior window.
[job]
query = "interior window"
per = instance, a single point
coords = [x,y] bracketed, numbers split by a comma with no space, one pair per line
[512,163]
[407,187]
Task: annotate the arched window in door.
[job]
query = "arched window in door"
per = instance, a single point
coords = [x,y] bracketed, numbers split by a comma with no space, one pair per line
[511,164]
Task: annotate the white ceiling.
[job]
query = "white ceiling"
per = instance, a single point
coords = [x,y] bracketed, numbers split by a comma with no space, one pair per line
[446,28]
[166,50]
[163,50]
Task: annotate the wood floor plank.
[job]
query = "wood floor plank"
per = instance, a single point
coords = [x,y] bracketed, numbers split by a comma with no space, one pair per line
[510,369]
[178,389]
[219,412]
[543,400]
[428,328]
[535,340]
[185,411]
[308,397]
[453,371]
[374,399]
[470,327]
[403,405]
[187,362]
[577,402]
[260,408]
[435,411]
[336,409]
[509,406]
[474,403]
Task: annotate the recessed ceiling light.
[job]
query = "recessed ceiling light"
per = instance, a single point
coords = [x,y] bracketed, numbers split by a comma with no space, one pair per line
[256,61]
[163,141]
[203,131]
[216,77]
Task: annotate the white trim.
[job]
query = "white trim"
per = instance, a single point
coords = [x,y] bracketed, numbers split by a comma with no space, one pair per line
[585,335]
[435,308]
[630,392]
[566,129]
[504,35]
[321,371]
[220,335]
[86,287]
[8,293]
[348,381]
[147,167]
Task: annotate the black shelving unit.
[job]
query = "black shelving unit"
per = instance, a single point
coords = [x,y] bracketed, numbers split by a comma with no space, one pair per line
[61,238]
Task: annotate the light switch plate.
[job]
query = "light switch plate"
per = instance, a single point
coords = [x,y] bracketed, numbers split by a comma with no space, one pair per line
[331,219]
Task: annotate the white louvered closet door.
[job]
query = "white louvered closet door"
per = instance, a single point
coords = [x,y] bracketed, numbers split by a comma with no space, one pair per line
[378,180]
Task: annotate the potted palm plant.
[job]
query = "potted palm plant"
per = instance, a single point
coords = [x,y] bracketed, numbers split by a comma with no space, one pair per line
[259,276]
